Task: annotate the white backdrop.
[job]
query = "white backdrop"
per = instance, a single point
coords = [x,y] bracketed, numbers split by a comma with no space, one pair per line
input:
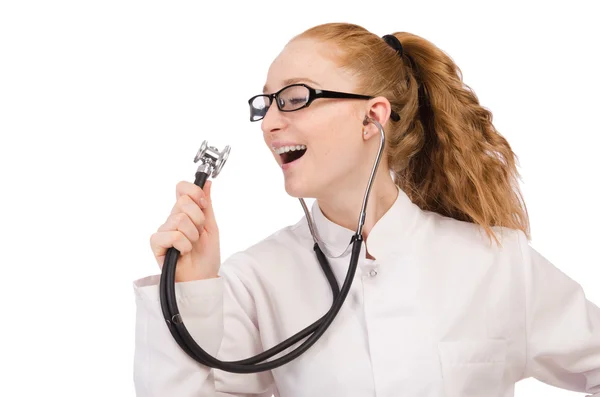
[104,104]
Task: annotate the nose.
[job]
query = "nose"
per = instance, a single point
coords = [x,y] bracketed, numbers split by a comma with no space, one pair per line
[273,120]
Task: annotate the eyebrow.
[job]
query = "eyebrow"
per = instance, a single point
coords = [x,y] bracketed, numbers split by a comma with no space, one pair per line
[294,80]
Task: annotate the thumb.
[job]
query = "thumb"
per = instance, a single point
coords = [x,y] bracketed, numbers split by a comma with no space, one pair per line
[210,223]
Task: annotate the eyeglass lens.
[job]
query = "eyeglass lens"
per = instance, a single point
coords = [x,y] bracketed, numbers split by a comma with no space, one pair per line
[291,98]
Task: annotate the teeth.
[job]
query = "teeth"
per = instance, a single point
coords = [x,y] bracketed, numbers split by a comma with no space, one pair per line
[285,149]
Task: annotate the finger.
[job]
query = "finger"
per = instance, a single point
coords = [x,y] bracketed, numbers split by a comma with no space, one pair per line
[188,206]
[190,189]
[182,222]
[161,242]
[194,213]
[210,223]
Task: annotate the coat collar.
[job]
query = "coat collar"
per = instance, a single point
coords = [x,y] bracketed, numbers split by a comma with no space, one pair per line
[389,235]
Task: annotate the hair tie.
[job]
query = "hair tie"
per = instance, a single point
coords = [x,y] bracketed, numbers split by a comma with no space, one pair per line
[423,96]
[394,43]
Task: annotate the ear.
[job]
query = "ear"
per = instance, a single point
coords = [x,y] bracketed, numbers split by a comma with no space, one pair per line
[380,110]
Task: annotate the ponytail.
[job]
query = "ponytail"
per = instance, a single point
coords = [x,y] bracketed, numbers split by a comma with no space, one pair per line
[444,153]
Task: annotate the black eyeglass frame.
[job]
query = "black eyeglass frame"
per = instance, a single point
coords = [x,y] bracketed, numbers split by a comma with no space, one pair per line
[312,95]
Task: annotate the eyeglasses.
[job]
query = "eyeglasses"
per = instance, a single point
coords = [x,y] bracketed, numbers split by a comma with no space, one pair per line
[295,97]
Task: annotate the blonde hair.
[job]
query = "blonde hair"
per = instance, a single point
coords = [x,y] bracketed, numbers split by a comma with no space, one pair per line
[444,153]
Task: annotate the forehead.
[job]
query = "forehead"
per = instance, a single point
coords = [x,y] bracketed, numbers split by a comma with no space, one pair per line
[305,60]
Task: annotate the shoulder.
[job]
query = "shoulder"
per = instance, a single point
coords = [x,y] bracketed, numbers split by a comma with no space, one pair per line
[448,232]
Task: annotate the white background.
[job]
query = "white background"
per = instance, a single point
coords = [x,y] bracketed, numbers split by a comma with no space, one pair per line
[104,104]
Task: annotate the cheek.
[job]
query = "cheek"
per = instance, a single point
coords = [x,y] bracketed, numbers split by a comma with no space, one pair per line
[344,138]
[333,138]
[330,143]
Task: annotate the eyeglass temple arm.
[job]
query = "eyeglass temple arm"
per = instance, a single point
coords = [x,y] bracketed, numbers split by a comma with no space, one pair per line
[334,94]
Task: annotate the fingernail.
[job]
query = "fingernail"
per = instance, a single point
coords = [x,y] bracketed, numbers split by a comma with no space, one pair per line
[203,202]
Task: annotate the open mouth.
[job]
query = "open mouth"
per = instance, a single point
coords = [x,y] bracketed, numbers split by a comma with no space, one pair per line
[292,154]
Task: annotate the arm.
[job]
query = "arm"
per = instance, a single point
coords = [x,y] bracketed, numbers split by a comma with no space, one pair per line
[211,309]
[563,328]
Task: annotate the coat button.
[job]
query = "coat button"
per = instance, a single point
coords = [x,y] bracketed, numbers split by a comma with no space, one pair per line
[373,273]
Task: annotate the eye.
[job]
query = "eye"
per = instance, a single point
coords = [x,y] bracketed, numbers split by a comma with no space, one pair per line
[297,101]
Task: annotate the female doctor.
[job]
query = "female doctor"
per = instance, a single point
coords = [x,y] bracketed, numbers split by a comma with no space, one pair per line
[448,298]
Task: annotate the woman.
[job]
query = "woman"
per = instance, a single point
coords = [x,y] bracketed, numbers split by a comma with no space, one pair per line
[448,299]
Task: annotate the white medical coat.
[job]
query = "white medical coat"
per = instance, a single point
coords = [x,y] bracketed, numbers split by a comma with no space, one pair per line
[439,313]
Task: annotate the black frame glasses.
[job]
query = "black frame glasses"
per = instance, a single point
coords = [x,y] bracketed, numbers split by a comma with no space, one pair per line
[257,114]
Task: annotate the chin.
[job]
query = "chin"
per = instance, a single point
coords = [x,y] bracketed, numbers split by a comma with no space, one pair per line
[297,188]
[294,191]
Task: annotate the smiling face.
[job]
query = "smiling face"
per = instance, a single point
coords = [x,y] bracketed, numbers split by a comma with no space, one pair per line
[331,129]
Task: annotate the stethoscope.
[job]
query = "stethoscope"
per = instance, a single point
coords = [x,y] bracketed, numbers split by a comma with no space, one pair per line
[212,162]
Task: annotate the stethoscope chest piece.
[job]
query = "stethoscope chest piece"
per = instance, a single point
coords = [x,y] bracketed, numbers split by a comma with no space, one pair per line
[212,156]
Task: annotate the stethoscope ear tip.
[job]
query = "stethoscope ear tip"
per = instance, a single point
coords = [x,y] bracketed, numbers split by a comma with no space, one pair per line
[368,120]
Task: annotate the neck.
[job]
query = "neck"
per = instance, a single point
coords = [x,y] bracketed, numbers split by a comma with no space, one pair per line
[343,207]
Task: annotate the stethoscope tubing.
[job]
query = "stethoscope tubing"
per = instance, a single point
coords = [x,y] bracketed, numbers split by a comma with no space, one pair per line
[182,337]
